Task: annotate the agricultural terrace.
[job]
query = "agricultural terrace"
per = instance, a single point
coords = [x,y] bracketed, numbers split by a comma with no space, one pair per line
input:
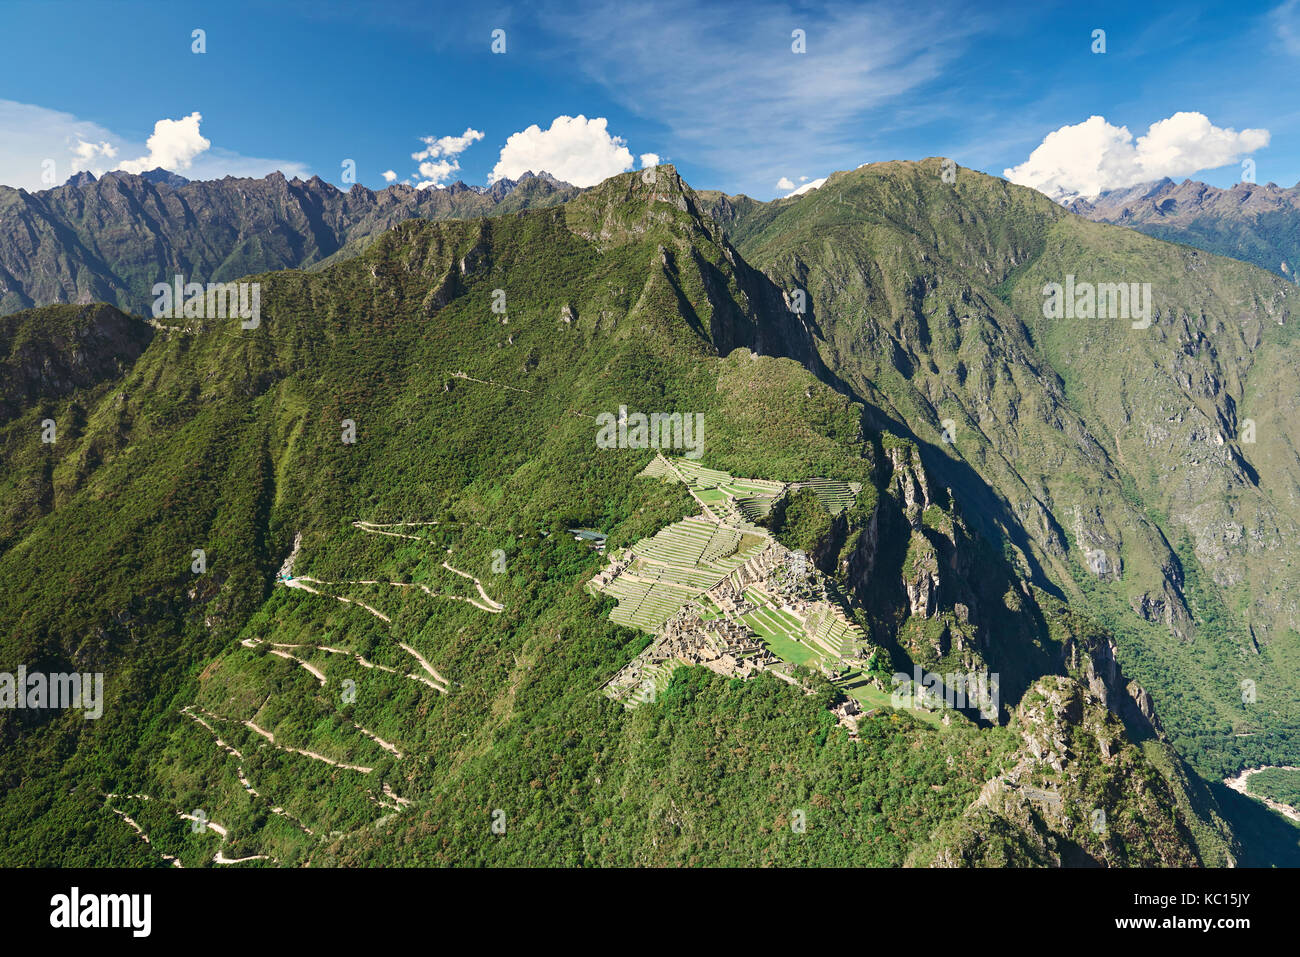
[834,496]
[745,502]
[675,565]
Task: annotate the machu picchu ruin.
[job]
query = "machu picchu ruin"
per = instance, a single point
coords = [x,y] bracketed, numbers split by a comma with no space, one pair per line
[718,590]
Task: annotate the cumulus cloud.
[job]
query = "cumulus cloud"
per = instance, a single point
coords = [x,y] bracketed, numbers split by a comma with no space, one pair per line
[88,153]
[389,176]
[448,145]
[785,183]
[649,159]
[173,146]
[436,173]
[438,160]
[41,148]
[1092,156]
[574,149]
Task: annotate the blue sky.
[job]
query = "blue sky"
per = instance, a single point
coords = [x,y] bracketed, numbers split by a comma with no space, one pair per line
[714,88]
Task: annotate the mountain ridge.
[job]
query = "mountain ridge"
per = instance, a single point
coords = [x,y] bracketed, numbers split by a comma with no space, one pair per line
[917,301]
[1259,224]
[107,238]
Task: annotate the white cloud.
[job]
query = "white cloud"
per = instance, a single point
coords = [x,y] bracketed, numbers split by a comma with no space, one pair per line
[86,152]
[805,188]
[736,99]
[448,145]
[389,176]
[650,159]
[40,148]
[1286,24]
[173,146]
[575,149]
[1092,156]
[785,183]
[32,136]
[438,162]
[436,173]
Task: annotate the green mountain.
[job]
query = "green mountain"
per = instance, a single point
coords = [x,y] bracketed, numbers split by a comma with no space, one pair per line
[1146,473]
[325,564]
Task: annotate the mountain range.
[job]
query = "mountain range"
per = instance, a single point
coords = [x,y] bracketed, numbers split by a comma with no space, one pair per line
[382,477]
[104,240]
[1257,224]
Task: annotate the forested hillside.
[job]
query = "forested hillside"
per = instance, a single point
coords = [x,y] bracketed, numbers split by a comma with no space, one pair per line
[325,565]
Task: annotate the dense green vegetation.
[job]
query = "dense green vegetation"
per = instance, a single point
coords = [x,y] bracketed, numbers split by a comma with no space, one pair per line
[232,442]
[1141,474]
[801,520]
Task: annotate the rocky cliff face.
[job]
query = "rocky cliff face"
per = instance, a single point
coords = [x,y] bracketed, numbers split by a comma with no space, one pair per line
[1093,659]
[1074,792]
